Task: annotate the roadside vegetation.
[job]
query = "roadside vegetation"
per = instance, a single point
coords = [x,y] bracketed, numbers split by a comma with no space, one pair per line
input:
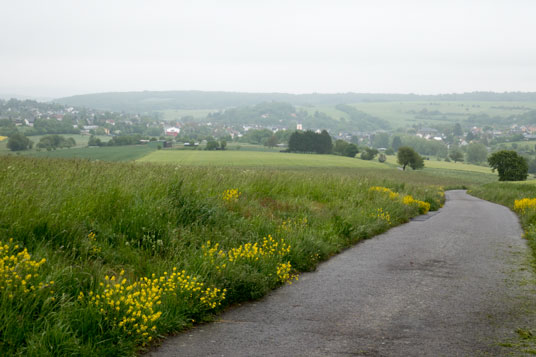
[103,258]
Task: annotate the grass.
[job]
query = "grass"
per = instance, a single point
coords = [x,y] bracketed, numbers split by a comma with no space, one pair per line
[521,198]
[106,153]
[255,159]
[454,166]
[189,240]
[400,114]
[177,114]
[81,142]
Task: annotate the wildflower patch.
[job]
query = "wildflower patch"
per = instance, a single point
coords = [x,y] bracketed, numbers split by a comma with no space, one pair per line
[231,195]
[134,308]
[524,205]
[19,274]
[269,251]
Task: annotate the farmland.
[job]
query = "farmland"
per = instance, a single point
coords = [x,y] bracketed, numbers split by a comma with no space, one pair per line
[256,159]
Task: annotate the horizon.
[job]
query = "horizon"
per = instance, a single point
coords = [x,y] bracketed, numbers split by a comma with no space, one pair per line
[19,96]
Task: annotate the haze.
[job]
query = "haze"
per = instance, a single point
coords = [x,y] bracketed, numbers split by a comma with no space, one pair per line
[60,48]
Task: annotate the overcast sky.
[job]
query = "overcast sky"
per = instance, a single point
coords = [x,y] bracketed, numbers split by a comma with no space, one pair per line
[57,48]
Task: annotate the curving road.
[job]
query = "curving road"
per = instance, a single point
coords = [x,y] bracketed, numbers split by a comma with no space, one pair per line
[445,284]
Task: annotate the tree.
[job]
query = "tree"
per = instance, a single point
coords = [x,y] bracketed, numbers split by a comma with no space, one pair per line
[510,165]
[369,154]
[380,140]
[476,153]
[407,156]
[456,155]
[397,143]
[324,145]
[271,141]
[382,158]
[93,141]
[344,148]
[19,142]
[310,141]
[212,145]
[350,150]
[223,145]
[457,130]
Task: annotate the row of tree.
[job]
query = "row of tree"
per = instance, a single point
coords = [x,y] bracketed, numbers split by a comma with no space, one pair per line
[310,142]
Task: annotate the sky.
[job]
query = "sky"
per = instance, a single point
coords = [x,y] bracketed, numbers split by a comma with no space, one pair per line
[59,48]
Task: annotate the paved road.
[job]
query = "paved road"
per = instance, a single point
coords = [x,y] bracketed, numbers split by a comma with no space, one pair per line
[446,284]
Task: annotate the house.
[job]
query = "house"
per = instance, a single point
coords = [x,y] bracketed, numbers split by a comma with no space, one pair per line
[172,131]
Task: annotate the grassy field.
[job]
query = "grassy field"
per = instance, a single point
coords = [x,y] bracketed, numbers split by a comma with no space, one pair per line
[177,114]
[106,153]
[454,174]
[81,142]
[107,257]
[255,159]
[401,114]
[454,166]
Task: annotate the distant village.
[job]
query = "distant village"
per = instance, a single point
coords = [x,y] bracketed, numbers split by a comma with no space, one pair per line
[35,118]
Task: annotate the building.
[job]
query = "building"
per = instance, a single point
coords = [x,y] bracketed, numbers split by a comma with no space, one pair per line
[172,131]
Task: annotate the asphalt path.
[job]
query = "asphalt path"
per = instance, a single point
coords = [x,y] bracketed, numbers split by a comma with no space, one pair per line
[446,284]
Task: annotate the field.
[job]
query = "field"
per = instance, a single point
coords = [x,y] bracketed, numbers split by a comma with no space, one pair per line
[402,114]
[81,142]
[255,159]
[110,256]
[455,174]
[177,114]
[106,153]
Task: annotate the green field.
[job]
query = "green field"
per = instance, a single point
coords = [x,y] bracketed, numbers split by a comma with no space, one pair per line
[403,114]
[255,159]
[455,166]
[81,142]
[105,153]
[177,114]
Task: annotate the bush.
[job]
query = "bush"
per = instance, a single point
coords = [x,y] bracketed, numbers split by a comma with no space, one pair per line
[19,142]
[369,154]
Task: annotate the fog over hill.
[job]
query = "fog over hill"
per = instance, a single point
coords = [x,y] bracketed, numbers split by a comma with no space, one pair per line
[148,101]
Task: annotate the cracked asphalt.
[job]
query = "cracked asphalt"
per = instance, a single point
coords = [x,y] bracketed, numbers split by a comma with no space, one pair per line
[446,284]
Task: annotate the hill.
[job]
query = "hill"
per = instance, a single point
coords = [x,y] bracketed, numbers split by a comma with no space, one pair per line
[148,101]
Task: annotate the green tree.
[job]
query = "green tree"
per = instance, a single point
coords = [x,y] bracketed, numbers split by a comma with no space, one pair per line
[271,141]
[19,142]
[476,153]
[223,145]
[457,130]
[344,148]
[407,156]
[397,142]
[510,165]
[212,145]
[456,155]
[382,157]
[380,140]
[369,154]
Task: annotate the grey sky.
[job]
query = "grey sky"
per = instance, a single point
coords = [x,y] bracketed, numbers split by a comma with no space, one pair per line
[57,48]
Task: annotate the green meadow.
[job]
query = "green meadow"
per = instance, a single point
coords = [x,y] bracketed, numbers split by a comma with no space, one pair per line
[106,258]
[241,158]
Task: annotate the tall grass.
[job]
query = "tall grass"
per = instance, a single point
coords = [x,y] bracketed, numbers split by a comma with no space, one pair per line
[131,252]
